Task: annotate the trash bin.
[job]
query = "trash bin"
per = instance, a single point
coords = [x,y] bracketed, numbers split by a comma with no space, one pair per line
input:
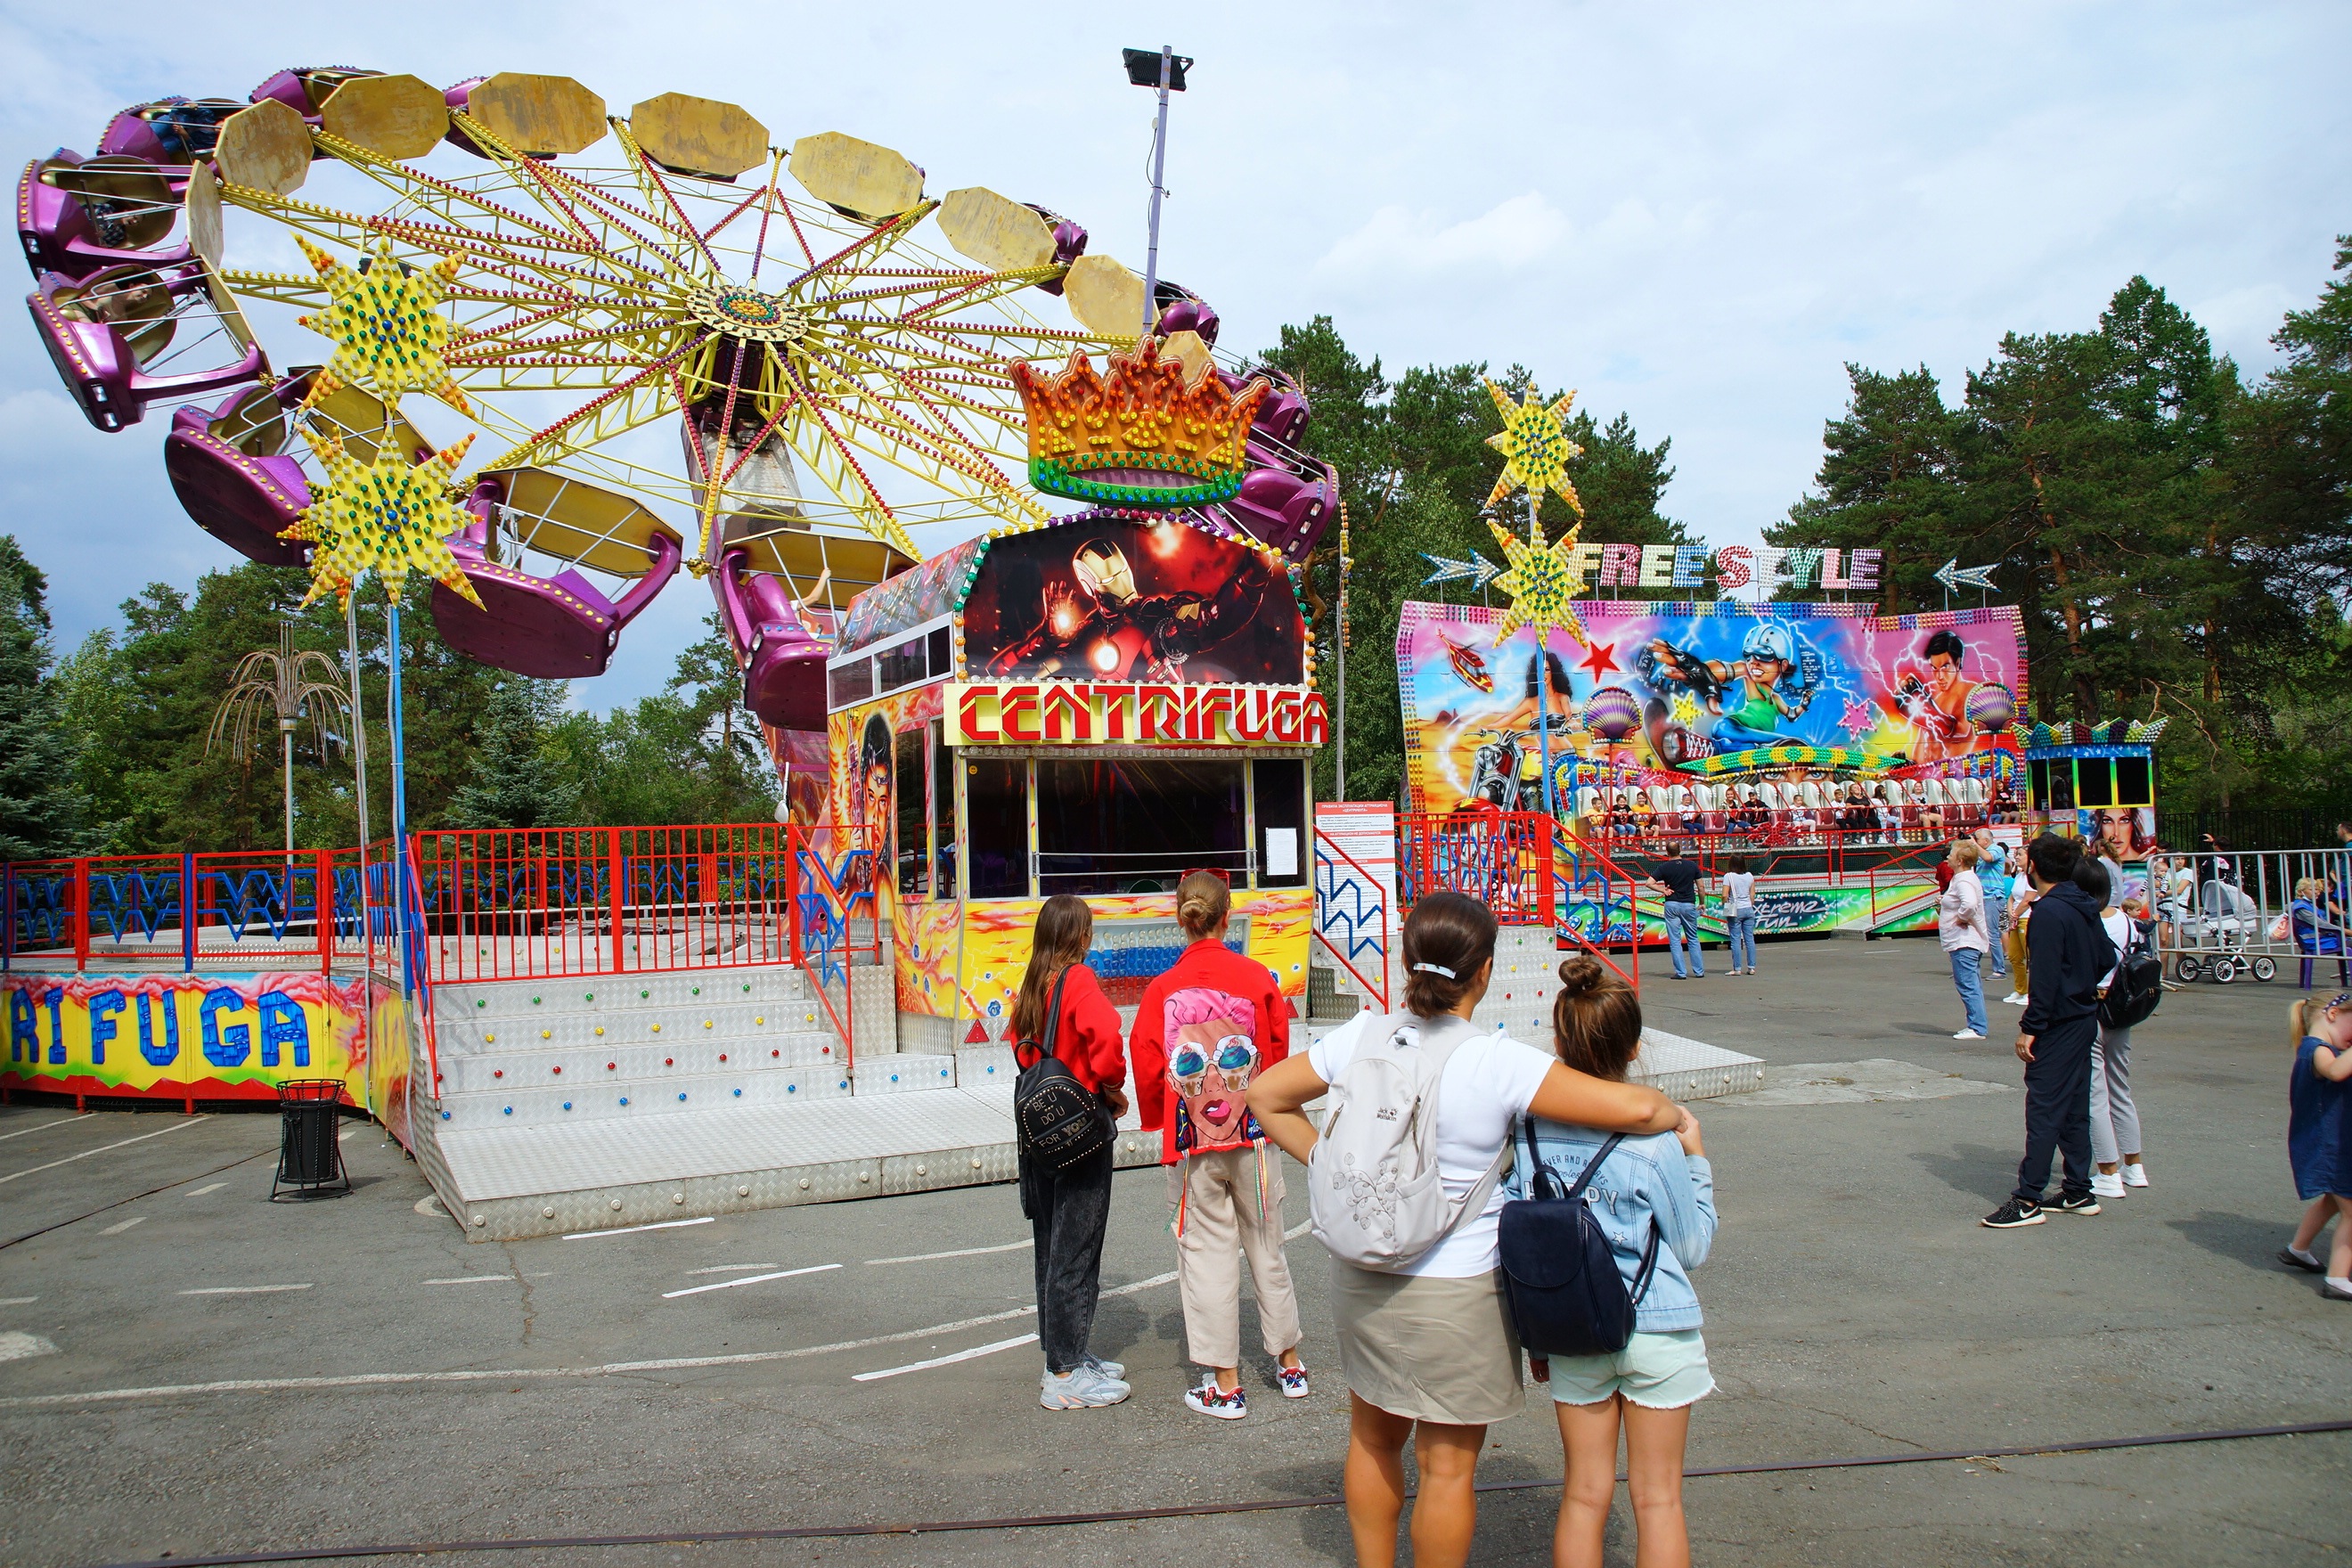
[309,1153]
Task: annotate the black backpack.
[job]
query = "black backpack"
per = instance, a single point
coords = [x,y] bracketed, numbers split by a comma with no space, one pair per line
[2137,987]
[1558,1273]
[1056,1119]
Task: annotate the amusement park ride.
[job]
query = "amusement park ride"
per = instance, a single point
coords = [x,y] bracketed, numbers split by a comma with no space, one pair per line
[632,343]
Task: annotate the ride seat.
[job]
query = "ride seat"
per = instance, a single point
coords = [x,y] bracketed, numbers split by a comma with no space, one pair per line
[783,660]
[103,330]
[553,628]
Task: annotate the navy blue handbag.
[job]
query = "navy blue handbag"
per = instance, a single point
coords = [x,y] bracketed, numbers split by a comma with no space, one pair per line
[1559,1272]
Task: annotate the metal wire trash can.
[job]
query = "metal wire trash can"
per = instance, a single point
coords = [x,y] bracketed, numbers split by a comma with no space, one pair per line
[310,1151]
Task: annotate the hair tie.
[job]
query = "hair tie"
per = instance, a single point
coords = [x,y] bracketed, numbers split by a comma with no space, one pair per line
[1432,969]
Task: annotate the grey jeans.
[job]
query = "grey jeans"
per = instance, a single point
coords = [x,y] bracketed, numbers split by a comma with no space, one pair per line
[2114,1120]
[1069,1212]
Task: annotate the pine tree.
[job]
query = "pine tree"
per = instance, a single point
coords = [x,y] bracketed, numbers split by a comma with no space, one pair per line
[43,811]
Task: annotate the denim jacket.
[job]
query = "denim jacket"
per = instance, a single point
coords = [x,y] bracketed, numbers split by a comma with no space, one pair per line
[1646,1177]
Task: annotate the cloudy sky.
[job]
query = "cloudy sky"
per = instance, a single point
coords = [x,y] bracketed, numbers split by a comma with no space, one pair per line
[1694,213]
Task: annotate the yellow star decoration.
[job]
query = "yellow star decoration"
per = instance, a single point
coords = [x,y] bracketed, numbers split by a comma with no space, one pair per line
[389,517]
[1536,448]
[1686,708]
[1542,582]
[387,326]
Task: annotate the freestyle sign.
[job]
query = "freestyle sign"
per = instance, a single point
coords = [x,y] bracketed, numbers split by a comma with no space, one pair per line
[1733,566]
[1073,712]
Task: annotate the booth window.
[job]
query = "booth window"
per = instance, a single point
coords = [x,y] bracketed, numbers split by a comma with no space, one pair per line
[914,814]
[1280,787]
[2037,782]
[2094,783]
[1136,827]
[944,833]
[996,809]
[850,683]
[2133,784]
[2062,786]
[908,664]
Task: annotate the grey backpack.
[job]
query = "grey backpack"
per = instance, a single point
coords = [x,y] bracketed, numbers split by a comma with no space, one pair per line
[1373,1191]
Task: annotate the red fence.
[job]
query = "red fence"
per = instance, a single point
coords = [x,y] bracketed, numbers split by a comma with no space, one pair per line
[240,908]
[1530,871]
[514,903]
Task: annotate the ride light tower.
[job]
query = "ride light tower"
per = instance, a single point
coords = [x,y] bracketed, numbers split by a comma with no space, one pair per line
[1164,70]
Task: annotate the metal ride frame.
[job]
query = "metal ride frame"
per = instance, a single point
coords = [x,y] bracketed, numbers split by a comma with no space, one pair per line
[640,293]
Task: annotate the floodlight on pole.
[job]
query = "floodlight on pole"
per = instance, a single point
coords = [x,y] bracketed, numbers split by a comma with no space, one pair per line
[1163,69]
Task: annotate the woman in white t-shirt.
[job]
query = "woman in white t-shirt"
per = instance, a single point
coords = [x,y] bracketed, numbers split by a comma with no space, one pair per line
[1739,914]
[1428,1349]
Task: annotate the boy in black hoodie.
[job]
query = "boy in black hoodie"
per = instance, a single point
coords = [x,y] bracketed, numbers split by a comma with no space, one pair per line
[2068,951]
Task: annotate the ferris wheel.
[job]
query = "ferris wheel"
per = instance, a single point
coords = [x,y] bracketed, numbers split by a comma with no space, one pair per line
[669,339]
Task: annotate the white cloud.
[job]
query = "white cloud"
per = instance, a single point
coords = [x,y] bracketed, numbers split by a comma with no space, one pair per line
[1506,237]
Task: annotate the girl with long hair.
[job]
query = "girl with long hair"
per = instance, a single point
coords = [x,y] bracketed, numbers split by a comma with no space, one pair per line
[1427,1346]
[1205,1029]
[1061,1002]
[1660,1183]
[2319,1138]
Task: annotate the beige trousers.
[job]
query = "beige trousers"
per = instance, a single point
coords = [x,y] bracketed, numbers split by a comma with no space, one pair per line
[1221,1225]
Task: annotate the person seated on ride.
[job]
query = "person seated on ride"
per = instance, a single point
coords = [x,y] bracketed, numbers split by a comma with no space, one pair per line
[2317,936]
[1646,816]
[1890,820]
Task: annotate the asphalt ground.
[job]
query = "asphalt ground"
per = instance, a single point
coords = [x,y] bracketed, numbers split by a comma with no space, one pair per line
[354,1371]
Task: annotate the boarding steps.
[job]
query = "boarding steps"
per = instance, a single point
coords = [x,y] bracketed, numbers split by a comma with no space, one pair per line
[612,1100]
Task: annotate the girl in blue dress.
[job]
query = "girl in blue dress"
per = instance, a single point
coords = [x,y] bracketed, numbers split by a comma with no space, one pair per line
[2319,1139]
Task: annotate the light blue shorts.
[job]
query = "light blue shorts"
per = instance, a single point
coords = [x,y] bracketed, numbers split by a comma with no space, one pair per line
[1657,1372]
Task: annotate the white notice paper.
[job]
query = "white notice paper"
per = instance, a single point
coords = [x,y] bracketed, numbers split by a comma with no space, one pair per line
[1281,851]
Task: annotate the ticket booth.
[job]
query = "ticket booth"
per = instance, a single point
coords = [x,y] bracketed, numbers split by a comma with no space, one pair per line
[1097,707]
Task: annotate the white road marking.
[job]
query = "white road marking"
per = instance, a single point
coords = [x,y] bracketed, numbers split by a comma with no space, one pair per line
[242,1290]
[749,1280]
[17,1346]
[971,1355]
[346,1133]
[1139,1286]
[44,1127]
[17,1300]
[517,1375]
[485,1279]
[102,1148]
[120,1225]
[959,1252]
[629,1230]
[200,1192]
[728,1269]
[430,1207]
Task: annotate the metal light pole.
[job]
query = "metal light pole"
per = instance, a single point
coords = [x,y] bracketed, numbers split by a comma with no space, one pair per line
[1543,678]
[1164,70]
[399,799]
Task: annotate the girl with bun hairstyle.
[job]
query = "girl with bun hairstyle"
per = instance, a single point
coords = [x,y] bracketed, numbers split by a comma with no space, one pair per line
[1660,1182]
[1427,1347]
[1204,1030]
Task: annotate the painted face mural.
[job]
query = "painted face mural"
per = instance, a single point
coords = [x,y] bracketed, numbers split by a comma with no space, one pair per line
[1212,1057]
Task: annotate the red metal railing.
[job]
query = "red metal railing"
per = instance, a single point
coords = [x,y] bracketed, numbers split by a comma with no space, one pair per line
[236,908]
[516,903]
[1530,871]
[834,916]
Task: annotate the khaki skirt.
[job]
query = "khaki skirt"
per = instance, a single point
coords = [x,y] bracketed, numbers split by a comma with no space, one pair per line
[1428,1349]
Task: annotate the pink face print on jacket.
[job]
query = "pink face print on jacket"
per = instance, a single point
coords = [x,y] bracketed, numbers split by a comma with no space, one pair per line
[1212,1056]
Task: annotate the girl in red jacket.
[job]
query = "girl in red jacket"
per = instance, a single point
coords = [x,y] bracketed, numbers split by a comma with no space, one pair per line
[1204,1029]
[1070,1210]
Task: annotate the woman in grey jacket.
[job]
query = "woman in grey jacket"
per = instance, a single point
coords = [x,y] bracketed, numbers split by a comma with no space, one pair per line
[1662,1180]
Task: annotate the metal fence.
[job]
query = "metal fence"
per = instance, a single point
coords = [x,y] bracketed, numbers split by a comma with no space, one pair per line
[2252,914]
[1529,870]
[242,910]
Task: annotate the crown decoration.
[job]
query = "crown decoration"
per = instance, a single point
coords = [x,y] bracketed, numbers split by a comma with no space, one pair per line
[1138,436]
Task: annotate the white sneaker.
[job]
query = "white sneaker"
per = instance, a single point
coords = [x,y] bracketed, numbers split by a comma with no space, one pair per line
[2107,1185]
[2135,1173]
[1967,1034]
[1082,1388]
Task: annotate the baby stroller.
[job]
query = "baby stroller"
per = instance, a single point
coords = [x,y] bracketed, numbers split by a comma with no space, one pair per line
[2227,919]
